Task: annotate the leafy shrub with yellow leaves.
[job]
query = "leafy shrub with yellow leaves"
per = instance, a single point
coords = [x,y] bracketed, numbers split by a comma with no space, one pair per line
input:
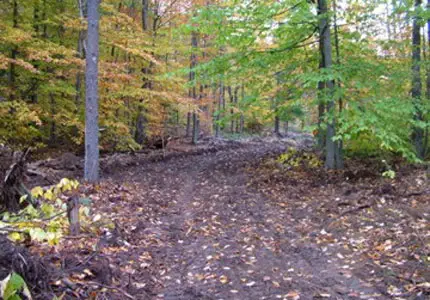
[44,219]
[295,158]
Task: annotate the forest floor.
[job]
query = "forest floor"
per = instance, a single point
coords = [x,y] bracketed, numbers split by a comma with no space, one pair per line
[230,222]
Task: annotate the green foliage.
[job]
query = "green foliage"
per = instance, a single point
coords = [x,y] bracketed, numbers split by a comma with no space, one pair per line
[267,48]
[389,174]
[45,222]
[378,125]
[12,286]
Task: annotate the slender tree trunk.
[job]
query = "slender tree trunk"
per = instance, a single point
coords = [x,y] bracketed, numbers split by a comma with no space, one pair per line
[416,91]
[339,143]
[277,125]
[320,136]
[236,104]
[242,117]
[145,15]
[218,116]
[325,36]
[231,96]
[193,91]
[91,81]
[188,128]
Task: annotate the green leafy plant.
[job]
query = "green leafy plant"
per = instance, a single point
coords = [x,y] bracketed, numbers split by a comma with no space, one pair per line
[45,220]
[389,173]
[12,286]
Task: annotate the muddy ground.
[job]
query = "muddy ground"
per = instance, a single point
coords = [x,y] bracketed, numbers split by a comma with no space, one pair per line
[227,221]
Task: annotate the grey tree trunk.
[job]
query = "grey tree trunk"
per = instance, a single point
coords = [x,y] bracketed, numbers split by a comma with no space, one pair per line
[145,15]
[339,143]
[326,52]
[416,91]
[320,136]
[91,97]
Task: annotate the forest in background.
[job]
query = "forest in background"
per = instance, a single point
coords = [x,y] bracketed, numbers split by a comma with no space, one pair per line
[181,67]
[252,149]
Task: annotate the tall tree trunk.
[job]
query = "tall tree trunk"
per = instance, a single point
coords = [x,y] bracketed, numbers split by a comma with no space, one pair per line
[193,91]
[326,52]
[339,143]
[320,136]
[91,107]
[416,91]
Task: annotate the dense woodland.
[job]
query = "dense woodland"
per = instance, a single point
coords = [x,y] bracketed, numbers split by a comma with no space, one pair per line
[327,102]
[355,72]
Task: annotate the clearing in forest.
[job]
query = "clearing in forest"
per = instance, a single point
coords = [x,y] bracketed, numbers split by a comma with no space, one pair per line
[234,222]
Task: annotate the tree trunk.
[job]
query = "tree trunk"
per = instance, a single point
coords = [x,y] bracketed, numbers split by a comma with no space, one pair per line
[91,107]
[193,91]
[139,135]
[188,128]
[145,15]
[218,116]
[277,125]
[231,96]
[418,133]
[339,143]
[196,129]
[326,52]
[242,117]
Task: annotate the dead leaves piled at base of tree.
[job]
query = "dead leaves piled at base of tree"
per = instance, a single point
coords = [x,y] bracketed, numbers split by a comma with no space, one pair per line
[377,228]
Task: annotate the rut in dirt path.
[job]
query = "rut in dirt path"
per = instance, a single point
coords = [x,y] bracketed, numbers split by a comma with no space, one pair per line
[224,240]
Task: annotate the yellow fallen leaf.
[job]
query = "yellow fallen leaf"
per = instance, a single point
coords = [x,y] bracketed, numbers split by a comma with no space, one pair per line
[223,279]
